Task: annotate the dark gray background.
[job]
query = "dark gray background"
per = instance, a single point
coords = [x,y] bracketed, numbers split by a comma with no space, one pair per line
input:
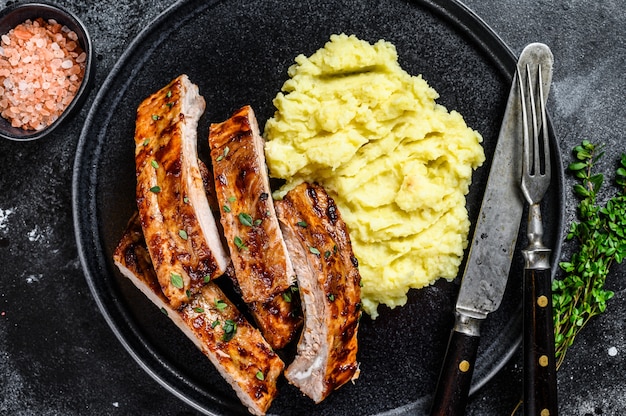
[74,363]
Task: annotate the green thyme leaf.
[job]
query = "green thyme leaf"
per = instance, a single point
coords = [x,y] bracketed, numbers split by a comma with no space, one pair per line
[198,310]
[155,189]
[302,224]
[183,234]
[260,375]
[245,219]
[314,251]
[220,305]
[176,280]
[230,329]
[239,243]
[154,164]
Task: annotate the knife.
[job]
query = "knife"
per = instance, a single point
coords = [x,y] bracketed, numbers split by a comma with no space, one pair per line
[489,259]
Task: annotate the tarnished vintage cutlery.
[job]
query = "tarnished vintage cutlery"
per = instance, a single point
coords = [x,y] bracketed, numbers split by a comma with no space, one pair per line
[491,251]
[540,388]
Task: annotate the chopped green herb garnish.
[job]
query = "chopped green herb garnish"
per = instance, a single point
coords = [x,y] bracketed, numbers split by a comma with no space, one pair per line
[169,105]
[146,142]
[198,310]
[177,280]
[327,254]
[245,219]
[224,154]
[260,375]
[155,117]
[257,222]
[188,293]
[230,329]
[183,234]
[220,305]
[168,94]
[164,311]
[314,251]
[232,199]
[226,208]
[186,200]
[287,296]
[239,243]
[155,164]
[302,224]
[155,189]
[331,297]
[207,279]
[215,323]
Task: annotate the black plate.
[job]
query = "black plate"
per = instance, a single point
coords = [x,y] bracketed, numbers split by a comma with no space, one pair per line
[238,53]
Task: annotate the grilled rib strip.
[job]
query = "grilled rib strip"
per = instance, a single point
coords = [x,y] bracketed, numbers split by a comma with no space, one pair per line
[178,225]
[280,318]
[262,266]
[245,361]
[328,279]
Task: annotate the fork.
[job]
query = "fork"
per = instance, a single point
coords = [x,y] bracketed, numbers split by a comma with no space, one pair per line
[540,389]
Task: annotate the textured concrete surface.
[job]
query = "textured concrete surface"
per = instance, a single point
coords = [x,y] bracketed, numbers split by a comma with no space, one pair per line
[75,366]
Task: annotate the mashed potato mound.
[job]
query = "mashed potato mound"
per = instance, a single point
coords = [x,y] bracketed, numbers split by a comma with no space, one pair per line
[397,163]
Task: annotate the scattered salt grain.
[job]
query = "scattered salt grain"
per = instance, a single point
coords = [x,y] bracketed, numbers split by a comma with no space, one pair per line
[39,53]
[612,351]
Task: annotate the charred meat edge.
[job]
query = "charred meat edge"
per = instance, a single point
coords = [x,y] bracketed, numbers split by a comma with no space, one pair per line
[180,230]
[329,286]
[245,361]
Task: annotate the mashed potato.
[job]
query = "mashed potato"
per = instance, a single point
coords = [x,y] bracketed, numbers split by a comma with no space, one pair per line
[397,163]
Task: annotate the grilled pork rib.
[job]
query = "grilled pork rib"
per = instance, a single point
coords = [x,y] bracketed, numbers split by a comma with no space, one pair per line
[179,228]
[280,318]
[262,266]
[328,280]
[239,352]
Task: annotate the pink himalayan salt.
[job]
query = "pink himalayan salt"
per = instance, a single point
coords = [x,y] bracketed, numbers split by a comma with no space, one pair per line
[41,68]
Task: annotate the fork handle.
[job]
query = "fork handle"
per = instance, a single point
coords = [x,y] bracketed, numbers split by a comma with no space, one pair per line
[540,388]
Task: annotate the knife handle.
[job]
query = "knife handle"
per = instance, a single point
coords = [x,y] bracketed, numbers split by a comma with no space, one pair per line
[456,375]
[540,388]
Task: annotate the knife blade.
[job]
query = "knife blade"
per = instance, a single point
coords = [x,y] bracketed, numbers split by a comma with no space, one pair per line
[490,255]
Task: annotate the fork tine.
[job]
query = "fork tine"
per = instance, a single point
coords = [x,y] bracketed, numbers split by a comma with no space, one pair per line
[526,150]
[544,125]
[535,168]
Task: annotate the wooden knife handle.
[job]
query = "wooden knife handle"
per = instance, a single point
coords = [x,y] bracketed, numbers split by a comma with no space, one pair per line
[456,375]
[540,388]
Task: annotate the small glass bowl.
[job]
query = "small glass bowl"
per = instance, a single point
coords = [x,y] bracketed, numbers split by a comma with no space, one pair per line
[18,13]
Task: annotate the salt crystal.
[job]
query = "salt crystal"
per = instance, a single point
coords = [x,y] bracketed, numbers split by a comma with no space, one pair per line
[55,46]
[81,58]
[6,39]
[22,85]
[40,43]
[67,64]
[612,351]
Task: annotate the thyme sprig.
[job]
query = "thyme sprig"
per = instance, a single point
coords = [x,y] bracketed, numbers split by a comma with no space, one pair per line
[601,234]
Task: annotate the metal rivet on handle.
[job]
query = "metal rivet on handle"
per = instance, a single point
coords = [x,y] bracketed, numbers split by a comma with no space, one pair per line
[542,301]
[464,366]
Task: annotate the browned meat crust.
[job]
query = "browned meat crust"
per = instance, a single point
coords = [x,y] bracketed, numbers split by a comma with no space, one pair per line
[328,280]
[213,323]
[178,225]
[262,266]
